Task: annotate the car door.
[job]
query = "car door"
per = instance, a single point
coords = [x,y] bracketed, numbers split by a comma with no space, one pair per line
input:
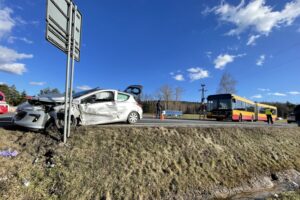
[98,108]
[123,106]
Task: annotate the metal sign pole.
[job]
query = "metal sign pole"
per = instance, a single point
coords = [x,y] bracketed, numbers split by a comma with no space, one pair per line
[72,74]
[66,121]
[64,23]
[71,95]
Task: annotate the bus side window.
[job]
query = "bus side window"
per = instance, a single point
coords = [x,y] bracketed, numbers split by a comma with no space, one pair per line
[250,107]
[240,105]
[261,110]
[233,103]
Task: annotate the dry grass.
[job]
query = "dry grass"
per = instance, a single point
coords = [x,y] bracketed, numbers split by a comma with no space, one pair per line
[144,163]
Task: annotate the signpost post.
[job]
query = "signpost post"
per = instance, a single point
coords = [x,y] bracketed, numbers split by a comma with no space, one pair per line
[64,31]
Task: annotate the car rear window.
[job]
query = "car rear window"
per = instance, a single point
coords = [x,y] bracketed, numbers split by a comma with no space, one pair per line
[122,97]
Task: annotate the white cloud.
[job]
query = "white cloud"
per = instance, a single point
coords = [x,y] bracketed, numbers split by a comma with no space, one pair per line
[233,48]
[264,89]
[2,83]
[260,61]
[223,59]
[37,83]
[208,54]
[178,77]
[84,87]
[12,39]
[13,68]
[252,39]
[257,16]
[197,73]
[277,94]
[8,58]
[257,96]
[298,30]
[294,93]
[6,21]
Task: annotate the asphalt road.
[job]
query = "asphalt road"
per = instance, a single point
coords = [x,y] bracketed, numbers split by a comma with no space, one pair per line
[5,120]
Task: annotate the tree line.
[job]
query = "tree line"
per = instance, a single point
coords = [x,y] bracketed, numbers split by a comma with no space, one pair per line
[15,97]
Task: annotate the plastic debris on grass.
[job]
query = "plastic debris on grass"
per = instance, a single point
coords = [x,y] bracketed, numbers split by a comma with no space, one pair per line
[8,153]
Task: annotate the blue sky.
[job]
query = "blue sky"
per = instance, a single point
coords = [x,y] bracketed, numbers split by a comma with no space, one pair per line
[155,42]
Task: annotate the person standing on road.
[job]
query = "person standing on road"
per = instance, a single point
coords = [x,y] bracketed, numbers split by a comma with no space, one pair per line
[269,115]
[158,109]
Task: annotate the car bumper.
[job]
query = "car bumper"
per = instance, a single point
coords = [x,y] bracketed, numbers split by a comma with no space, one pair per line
[31,120]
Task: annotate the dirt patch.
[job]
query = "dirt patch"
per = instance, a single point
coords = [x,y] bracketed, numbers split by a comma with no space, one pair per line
[146,163]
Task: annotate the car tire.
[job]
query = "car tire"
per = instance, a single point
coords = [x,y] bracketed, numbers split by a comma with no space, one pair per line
[51,127]
[133,118]
[74,122]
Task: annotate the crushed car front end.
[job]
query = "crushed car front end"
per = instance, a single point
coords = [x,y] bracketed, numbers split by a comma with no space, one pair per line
[30,116]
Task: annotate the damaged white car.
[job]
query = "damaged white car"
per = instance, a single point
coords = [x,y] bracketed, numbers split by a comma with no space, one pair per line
[96,106]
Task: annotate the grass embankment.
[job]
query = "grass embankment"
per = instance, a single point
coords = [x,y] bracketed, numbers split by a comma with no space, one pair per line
[144,163]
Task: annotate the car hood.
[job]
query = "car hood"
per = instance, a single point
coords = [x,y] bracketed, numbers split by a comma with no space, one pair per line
[49,99]
[26,106]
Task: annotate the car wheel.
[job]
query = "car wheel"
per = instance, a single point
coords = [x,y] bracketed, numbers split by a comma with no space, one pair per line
[133,117]
[51,127]
[61,122]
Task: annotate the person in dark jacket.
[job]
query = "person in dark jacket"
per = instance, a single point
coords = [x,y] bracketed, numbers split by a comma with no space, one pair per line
[158,109]
[297,114]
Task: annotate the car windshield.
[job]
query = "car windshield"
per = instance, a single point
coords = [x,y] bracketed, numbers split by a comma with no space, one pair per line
[219,104]
[80,94]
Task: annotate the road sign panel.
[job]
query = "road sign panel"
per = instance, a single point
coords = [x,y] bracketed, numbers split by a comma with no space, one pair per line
[58,26]
[58,23]
[76,33]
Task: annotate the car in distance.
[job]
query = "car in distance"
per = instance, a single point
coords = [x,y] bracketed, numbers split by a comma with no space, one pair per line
[95,106]
[291,118]
[297,114]
[3,104]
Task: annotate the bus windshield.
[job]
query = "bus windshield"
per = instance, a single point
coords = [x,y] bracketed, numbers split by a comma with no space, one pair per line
[219,104]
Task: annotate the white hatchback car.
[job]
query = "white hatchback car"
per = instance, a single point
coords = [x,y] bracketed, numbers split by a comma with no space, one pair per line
[96,106]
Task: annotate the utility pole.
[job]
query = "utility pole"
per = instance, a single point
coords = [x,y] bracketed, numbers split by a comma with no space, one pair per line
[203,90]
[202,106]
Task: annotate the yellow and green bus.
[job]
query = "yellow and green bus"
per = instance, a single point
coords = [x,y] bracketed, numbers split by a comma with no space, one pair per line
[236,108]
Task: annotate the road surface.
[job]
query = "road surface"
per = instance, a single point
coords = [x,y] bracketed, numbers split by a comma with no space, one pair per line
[5,120]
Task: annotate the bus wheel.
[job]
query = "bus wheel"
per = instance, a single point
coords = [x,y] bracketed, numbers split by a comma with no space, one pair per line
[241,118]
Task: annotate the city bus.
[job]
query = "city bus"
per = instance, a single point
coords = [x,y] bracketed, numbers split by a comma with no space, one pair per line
[260,110]
[236,108]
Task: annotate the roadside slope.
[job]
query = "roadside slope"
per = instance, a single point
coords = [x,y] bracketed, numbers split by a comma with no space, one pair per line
[145,163]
